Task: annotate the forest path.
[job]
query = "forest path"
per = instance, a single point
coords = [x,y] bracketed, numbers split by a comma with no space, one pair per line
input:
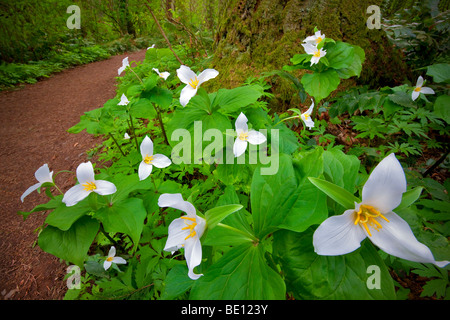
[33,131]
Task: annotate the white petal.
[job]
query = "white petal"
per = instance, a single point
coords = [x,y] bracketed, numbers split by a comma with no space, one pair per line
[338,235]
[112,252]
[43,174]
[75,195]
[309,48]
[161,161]
[193,255]
[146,147]
[126,136]
[419,82]
[119,260]
[106,264]
[30,190]
[120,70]
[206,75]
[175,200]
[186,94]
[144,170]
[164,75]
[256,137]
[185,74]
[123,100]
[85,172]
[310,39]
[415,95]
[241,124]
[177,235]
[239,147]
[397,239]
[385,186]
[308,122]
[426,90]
[104,187]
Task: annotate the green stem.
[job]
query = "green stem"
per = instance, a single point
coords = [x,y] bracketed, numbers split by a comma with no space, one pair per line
[134,132]
[115,141]
[136,75]
[247,234]
[158,110]
[107,236]
[286,119]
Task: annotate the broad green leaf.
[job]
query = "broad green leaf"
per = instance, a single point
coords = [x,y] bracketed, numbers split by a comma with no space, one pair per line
[97,121]
[340,55]
[177,282]
[356,67]
[50,205]
[126,216]
[231,100]
[338,194]
[63,217]
[240,274]
[341,169]
[160,96]
[442,107]
[71,245]
[217,214]
[142,108]
[345,277]
[440,72]
[321,84]
[409,197]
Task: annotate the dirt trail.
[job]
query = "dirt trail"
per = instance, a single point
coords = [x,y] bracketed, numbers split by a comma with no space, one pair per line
[33,131]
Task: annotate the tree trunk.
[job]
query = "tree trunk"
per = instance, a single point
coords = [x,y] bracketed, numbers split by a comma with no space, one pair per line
[255,36]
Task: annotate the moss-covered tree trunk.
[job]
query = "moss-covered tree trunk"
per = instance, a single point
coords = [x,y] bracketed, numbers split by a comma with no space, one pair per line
[262,35]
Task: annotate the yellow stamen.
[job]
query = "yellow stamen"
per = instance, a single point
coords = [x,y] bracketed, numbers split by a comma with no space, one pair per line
[317,54]
[110,259]
[89,186]
[417,89]
[306,116]
[318,40]
[243,136]
[190,226]
[194,83]
[148,159]
[366,216]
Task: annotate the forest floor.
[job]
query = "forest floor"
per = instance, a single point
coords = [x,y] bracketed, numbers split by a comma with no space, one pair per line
[33,130]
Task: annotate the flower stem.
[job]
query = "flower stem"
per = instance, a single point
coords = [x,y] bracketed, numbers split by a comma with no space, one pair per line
[108,236]
[136,75]
[115,141]
[134,132]
[158,110]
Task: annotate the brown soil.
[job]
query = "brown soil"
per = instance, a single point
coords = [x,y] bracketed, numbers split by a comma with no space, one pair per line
[33,131]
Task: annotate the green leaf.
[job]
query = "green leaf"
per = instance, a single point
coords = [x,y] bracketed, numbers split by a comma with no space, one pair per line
[177,282]
[340,55]
[241,274]
[217,214]
[409,197]
[125,216]
[440,72]
[160,96]
[321,84]
[356,66]
[142,108]
[232,100]
[71,245]
[442,107]
[63,217]
[338,194]
[51,204]
[345,277]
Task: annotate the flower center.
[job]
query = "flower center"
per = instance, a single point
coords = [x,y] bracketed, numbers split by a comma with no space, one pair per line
[190,227]
[417,89]
[148,159]
[366,216]
[110,259]
[243,136]
[89,186]
[319,39]
[194,83]
[317,54]
[306,116]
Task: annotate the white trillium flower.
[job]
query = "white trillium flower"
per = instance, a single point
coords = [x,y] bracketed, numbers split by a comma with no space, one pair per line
[126,136]
[316,53]
[123,100]
[187,76]
[244,136]
[420,89]
[42,175]
[306,116]
[185,232]
[153,45]
[164,75]
[112,259]
[149,159]
[315,39]
[87,184]
[373,218]
[125,64]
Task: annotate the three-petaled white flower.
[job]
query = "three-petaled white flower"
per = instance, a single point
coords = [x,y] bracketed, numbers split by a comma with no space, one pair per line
[123,100]
[125,64]
[111,258]
[153,45]
[420,89]
[42,175]
[244,136]
[149,159]
[306,116]
[126,136]
[185,232]
[162,75]
[373,218]
[316,53]
[315,39]
[87,184]
[187,76]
